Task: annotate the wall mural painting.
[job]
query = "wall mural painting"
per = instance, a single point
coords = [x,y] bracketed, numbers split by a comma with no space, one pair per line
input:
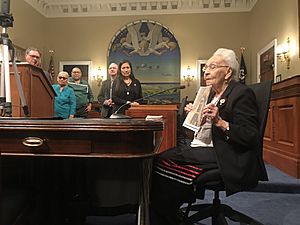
[155,56]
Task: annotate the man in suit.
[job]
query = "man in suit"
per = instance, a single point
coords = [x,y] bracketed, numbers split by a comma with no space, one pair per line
[34,57]
[105,94]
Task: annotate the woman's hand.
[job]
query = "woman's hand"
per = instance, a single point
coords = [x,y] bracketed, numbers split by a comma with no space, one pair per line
[188,107]
[210,111]
[134,103]
[89,107]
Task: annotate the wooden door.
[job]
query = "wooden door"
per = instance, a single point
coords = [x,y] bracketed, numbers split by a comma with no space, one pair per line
[267,65]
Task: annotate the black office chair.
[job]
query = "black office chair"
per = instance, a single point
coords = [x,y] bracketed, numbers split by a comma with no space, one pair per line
[181,109]
[181,131]
[213,181]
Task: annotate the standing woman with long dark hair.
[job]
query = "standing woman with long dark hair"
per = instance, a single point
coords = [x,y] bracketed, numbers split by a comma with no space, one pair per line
[126,88]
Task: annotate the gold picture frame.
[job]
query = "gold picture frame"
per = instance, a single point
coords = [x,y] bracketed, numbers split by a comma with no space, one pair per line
[200,74]
[278,78]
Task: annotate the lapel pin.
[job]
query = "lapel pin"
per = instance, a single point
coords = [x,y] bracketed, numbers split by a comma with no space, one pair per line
[222,101]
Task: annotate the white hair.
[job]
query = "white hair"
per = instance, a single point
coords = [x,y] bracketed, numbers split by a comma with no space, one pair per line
[230,59]
[63,73]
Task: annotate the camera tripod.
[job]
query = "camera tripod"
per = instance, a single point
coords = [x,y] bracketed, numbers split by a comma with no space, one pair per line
[6,46]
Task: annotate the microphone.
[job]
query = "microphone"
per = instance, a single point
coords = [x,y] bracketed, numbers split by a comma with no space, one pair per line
[116,114]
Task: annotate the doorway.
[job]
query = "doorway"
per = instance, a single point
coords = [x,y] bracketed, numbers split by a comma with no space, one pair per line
[266,62]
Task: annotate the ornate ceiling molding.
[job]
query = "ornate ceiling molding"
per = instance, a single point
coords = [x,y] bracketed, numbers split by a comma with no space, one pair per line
[81,8]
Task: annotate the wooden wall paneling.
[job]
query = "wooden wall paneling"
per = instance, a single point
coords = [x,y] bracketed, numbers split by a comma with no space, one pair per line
[282,136]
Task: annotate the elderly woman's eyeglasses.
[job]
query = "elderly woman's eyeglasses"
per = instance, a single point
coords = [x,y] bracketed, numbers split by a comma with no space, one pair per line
[212,67]
[62,78]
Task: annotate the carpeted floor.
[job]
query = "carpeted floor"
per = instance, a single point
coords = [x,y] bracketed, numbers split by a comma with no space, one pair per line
[267,208]
[276,202]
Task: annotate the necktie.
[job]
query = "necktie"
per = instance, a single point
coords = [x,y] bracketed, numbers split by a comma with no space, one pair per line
[110,90]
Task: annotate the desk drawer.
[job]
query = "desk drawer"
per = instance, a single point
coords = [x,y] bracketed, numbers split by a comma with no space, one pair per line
[43,142]
[71,143]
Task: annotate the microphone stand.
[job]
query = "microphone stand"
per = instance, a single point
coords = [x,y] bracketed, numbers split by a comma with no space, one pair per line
[117,115]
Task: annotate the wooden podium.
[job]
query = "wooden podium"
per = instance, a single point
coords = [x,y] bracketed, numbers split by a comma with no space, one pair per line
[38,92]
[282,134]
[169,114]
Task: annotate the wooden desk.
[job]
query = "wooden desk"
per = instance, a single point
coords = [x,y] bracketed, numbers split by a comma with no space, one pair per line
[100,138]
[169,113]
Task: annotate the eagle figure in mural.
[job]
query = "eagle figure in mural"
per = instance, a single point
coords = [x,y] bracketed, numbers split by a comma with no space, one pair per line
[145,44]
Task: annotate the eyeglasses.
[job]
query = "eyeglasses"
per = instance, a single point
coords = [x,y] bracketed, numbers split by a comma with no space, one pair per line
[212,67]
[34,56]
[62,78]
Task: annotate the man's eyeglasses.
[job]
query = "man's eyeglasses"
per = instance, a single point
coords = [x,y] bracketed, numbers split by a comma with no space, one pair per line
[34,56]
[212,67]
[62,78]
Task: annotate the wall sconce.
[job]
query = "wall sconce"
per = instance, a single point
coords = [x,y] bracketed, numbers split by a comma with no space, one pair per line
[98,77]
[283,53]
[188,78]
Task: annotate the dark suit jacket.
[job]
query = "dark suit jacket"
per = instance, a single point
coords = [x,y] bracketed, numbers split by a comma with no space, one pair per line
[104,94]
[236,149]
[126,93]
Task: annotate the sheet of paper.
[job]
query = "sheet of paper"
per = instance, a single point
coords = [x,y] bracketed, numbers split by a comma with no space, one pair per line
[155,118]
[194,117]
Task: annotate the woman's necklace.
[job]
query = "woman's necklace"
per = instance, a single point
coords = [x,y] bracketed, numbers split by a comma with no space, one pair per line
[128,81]
[127,85]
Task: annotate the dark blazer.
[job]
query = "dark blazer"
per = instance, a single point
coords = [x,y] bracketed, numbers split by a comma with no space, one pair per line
[104,94]
[125,93]
[237,154]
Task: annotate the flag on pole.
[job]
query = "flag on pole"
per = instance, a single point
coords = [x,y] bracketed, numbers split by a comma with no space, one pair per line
[51,67]
[243,70]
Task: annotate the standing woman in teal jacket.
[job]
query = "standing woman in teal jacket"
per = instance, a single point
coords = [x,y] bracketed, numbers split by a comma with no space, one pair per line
[65,100]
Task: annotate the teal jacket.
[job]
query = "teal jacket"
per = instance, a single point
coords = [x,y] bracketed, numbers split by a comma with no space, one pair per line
[64,102]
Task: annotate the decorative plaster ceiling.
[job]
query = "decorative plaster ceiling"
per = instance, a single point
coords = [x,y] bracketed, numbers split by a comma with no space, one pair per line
[80,8]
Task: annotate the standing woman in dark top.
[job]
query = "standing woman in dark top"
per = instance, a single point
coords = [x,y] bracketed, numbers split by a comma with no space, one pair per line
[126,88]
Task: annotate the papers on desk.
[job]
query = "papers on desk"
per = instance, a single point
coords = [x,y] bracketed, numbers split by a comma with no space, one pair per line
[194,117]
[154,118]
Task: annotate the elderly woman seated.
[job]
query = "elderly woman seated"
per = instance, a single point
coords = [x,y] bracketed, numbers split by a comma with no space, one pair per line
[226,140]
